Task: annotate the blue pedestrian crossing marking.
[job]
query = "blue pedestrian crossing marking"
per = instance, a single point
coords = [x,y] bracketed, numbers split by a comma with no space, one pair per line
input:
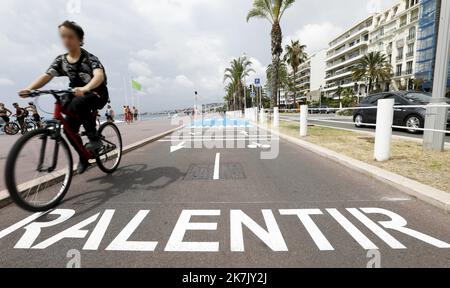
[220,123]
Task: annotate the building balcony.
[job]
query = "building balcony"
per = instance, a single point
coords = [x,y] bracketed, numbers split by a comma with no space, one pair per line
[399,74]
[345,62]
[348,36]
[339,75]
[342,52]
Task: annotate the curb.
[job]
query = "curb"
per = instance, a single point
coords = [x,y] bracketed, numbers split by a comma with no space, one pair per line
[4,195]
[428,194]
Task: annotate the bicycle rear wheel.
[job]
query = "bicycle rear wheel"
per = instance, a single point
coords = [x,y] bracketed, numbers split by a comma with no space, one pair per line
[110,155]
[39,171]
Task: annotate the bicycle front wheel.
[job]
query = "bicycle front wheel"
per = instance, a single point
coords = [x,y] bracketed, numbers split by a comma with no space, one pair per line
[11,128]
[39,171]
[109,157]
[30,126]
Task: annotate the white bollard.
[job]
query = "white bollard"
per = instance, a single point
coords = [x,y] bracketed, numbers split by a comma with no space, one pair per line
[276,117]
[383,137]
[262,117]
[304,121]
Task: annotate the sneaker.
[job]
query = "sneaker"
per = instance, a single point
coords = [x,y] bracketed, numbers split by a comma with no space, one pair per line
[82,167]
[94,145]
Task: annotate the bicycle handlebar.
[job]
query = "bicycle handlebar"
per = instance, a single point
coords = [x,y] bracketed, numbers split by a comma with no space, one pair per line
[56,93]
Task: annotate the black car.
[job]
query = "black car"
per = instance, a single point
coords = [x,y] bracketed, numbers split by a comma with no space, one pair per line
[407,117]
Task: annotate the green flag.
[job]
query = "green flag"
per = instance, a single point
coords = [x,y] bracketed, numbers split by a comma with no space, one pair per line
[136,85]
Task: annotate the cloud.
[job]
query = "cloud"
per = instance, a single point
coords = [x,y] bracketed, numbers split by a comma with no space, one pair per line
[6,82]
[171,46]
[183,81]
[139,68]
[374,6]
[315,36]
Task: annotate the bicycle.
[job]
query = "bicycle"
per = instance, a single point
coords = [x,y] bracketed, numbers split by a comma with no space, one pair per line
[13,127]
[51,175]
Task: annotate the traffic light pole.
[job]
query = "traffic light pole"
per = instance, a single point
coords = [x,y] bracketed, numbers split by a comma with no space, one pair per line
[436,118]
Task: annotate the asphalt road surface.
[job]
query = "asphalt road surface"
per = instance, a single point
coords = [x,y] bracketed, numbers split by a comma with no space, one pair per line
[227,207]
[315,119]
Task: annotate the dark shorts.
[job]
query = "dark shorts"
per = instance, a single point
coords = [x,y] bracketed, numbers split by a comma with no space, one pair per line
[36,118]
[5,119]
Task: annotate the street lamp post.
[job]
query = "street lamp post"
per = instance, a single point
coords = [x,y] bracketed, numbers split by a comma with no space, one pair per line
[436,118]
[320,96]
[195,103]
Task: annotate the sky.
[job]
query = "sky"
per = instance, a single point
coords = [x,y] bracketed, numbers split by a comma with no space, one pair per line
[172,47]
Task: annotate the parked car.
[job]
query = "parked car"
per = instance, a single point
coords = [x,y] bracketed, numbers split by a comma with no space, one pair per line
[320,109]
[408,117]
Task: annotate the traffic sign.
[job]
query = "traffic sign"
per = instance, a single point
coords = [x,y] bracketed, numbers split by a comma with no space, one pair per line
[253,94]
[257,81]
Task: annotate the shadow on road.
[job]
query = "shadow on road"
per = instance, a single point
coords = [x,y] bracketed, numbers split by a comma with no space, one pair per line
[129,179]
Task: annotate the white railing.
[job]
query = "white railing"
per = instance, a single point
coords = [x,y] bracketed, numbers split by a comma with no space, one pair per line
[384,124]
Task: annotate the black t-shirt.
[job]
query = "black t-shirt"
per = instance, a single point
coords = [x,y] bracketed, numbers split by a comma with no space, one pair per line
[79,73]
[21,113]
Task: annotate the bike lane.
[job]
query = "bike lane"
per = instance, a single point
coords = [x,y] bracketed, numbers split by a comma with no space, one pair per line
[163,209]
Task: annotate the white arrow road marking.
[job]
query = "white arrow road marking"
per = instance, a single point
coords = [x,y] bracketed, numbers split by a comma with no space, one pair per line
[177,147]
[255,145]
[244,133]
[217,167]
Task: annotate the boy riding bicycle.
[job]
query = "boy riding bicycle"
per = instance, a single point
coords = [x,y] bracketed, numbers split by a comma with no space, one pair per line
[88,80]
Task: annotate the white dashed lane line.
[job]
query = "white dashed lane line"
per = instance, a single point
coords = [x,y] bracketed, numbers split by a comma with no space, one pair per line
[217,167]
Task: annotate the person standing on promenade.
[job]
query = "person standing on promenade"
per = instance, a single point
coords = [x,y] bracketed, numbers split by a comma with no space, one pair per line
[110,115]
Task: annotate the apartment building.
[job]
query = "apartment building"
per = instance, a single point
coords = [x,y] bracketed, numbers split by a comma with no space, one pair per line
[394,34]
[310,79]
[343,53]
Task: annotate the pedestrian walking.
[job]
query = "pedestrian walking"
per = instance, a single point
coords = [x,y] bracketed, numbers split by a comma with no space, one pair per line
[135,114]
[110,115]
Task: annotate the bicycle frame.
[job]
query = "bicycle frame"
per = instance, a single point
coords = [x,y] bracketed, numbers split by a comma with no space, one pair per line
[59,122]
[74,137]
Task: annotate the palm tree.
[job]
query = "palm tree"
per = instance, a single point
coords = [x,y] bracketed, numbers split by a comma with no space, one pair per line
[295,56]
[283,78]
[373,67]
[229,99]
[273,11]
[239,69]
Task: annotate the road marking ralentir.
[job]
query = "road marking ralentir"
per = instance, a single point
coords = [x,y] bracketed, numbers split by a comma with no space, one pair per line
[93,229]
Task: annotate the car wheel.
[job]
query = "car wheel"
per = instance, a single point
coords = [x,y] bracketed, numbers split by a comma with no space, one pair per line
[413,123]
[359,119]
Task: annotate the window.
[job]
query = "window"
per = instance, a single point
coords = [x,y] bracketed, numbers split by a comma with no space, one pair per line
[410,52]
[412,33]
[398,100]
[409,68]
[374,98]
[399,70]
[400,53]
